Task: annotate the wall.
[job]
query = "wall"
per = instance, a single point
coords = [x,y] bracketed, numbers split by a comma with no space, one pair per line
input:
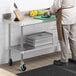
[6,6]
[33,4]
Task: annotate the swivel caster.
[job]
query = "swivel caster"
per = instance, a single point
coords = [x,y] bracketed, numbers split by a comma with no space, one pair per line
[10,62]
[23,67]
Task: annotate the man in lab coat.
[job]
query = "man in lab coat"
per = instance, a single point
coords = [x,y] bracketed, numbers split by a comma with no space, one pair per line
[68,22]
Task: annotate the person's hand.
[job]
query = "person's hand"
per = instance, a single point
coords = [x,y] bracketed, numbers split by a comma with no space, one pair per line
[46,14]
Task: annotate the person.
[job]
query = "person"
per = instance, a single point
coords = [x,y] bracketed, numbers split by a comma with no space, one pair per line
[68,22]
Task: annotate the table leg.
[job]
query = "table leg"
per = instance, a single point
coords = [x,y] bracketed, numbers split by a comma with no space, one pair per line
[23,66]
[9,45]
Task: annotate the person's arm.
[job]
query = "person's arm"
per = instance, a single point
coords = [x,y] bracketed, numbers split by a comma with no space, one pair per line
[55,7]
[57,4]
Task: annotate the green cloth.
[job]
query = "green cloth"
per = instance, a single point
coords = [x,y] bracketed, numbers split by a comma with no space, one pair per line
[46,19]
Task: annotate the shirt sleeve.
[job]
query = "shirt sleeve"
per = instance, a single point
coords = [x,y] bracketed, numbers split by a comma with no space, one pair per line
[61,4]
[57,4]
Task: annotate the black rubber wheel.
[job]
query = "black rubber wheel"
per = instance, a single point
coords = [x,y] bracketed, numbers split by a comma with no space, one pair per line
[10,62]
[23,67]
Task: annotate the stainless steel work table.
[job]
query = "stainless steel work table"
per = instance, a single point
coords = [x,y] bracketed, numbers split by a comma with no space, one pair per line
[26,22]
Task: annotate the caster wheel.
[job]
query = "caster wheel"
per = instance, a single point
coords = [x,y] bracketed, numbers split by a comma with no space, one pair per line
[23,67]
[10,62]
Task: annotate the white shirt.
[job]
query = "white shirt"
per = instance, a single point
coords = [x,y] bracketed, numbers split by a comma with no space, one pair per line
[68,15]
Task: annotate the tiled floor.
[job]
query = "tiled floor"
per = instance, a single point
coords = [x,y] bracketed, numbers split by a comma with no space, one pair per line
[32,63]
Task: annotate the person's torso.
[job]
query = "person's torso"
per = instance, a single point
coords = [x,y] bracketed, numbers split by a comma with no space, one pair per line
[68,12]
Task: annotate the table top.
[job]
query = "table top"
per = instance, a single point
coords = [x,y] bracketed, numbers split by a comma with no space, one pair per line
[26,21]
